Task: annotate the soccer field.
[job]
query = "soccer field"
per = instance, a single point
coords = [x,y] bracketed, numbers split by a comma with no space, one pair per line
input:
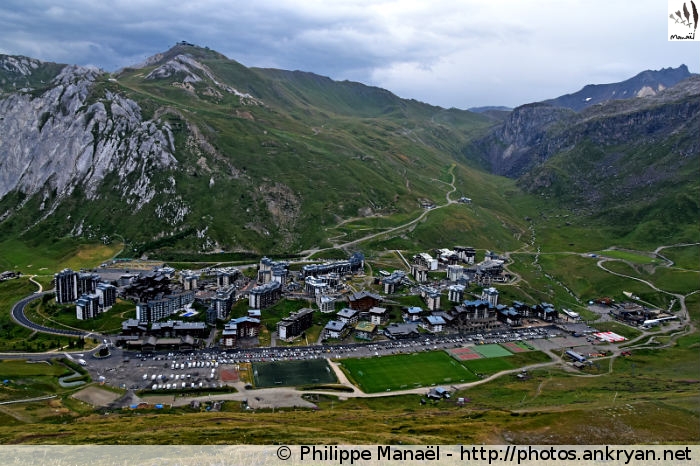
[405,371]
[292,373]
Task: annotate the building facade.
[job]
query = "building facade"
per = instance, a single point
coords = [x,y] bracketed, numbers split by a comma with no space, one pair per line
[265,295]
[294,325]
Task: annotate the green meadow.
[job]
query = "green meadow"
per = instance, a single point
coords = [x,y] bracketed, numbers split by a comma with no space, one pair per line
[407,371]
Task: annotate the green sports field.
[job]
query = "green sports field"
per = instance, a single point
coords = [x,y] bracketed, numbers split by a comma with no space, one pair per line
[489,366]
[405,371]
[292,373]
[492,351]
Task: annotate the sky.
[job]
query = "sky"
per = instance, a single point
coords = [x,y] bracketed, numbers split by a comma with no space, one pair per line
[451,53]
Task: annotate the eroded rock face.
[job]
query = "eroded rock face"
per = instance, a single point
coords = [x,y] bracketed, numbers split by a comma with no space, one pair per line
[535,132]
[70,136]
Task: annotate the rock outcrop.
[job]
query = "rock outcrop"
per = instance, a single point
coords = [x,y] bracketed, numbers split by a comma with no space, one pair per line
[72,134]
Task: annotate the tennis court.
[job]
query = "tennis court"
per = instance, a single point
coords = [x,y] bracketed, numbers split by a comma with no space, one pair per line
[229,375]
[492,351]
[515,347]
[466,353]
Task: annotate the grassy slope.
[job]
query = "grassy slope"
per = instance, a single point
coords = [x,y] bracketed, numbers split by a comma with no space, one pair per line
[650,386]
[42,258]
[620,201]
[338,147]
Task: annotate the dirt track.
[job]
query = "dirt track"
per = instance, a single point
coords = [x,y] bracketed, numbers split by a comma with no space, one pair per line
[96,396]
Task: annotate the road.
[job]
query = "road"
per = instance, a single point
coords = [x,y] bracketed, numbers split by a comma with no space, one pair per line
[678,296]
[308,253]
[18,316]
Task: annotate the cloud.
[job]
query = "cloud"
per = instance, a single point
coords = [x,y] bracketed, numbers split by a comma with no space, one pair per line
[447,52]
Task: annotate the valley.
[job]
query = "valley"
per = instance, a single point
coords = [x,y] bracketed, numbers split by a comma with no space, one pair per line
[239,220]
[648,349]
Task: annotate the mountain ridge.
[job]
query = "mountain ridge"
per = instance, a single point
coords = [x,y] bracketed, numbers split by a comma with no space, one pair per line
[634,159]
[191,150]
[645,83]
[200,151]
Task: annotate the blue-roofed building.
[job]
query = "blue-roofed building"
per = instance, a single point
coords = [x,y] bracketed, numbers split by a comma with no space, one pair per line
[242,327]
[438,393]
[412,314]
[348,316]
[509,315]
[335,329]
[433,323]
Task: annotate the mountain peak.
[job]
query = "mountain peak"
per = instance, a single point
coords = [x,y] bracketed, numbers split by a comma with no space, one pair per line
[181,48]
[644,84]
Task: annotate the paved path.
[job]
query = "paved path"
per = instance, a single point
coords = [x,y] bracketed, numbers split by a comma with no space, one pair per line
[18,316]
[29,400]
[41,288]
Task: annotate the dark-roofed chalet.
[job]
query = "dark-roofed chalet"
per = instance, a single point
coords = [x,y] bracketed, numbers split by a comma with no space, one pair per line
[378,315]
[475,315]
[509,315]
[335,329]
[633,313]
[523,309]
[364,300]
[151,343]
[293,326]
[349,316]
[546,312]
[133,327]
[175,328]
[401,331]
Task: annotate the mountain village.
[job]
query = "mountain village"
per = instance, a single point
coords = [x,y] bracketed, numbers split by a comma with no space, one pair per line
[186,310]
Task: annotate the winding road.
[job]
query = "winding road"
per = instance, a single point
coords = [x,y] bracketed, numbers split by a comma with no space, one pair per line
[308,253]
[18,316]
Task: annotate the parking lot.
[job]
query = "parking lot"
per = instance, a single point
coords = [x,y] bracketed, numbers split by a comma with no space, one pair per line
[201,369]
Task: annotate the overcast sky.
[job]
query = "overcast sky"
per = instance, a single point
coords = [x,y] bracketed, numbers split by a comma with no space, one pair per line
[452,53]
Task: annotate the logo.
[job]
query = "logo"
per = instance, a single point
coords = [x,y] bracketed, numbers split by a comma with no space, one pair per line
[682,20]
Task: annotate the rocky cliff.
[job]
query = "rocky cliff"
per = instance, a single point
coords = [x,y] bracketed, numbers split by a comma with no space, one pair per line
[72,134]
[194,151]
[631,163]
[534,133]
